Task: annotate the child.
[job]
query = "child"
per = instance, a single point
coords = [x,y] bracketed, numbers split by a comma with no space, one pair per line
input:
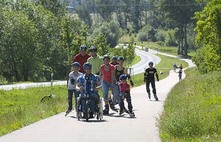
[73,75]
[125,93]
[89,83]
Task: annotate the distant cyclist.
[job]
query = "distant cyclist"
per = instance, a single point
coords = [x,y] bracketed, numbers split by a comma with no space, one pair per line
[149,78]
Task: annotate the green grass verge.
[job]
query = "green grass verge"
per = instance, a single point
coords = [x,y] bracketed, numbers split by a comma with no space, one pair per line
[192,109]
[19,108]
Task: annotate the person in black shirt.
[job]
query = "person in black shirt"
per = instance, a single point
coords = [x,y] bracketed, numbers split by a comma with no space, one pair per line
[150,79]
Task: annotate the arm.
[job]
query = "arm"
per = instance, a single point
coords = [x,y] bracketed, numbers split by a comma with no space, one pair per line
[157,76]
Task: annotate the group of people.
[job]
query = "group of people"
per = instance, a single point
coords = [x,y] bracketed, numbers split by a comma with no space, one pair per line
[180,70]
[91,72]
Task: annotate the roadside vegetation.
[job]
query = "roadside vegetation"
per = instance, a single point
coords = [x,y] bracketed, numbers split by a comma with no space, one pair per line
[192,109]
[19,108]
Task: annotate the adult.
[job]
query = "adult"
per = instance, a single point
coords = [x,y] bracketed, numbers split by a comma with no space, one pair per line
[95,60]
[81,57]
[149,78]
[107,73]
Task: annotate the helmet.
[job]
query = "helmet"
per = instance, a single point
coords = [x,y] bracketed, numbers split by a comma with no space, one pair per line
[121,58]
[106,57]
[123,77]
[114,58]
[75,64]
[83,47]
[93,48]
[150,63]
[87,65]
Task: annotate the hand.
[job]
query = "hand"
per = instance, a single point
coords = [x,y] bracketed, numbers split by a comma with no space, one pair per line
[81,88]
[158,79]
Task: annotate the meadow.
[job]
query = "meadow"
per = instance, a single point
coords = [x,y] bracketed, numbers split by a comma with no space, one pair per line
[192,109]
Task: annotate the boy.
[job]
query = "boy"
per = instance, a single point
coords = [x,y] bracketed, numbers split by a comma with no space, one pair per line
[89,83]
[125,93]
[150,79]
[73,75]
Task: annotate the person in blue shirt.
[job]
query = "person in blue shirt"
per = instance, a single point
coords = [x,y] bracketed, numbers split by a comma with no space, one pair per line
[88,84]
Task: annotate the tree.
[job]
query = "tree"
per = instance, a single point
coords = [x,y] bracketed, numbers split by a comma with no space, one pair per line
[208,57]
[180,13]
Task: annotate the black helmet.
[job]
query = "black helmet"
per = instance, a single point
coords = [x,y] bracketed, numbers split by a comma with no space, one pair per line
[123,77]
[106,57]
[93,48]
[75,64]
[150,63]
[83,47]
[87,65]
[121,58]
[114,58]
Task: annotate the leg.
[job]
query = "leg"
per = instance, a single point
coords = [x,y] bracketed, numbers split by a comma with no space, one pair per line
[154,90]
[76,95]
[70,96]
[105,89]
[147,88]
[121,104]
[128,99]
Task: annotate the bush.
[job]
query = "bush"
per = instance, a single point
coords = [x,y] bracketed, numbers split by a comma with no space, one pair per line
[3,80]
[142,36]
[170,38]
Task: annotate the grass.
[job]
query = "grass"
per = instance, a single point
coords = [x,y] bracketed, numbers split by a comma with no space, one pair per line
[192,109]
[19,108]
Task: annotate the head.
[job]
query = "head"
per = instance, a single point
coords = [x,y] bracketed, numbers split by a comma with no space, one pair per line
[106,59]
[87,67]
[120,60]
[75,66]
[150,64]
[123,78]
[93,51]
[83,50]
[114,59]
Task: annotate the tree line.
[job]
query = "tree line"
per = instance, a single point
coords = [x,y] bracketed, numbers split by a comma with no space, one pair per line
[41,36]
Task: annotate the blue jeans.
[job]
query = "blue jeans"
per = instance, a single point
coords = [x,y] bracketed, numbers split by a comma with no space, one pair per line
[105,88]
[116,93]
[70,96]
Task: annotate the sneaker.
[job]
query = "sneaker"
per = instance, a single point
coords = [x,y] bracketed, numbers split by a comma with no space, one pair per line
[157,99]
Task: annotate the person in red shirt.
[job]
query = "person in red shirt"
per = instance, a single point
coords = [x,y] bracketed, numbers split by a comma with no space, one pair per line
[125,93]
[107,74]
[81,57]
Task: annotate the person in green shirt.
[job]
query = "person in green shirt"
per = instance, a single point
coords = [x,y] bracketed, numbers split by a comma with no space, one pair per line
[95,60]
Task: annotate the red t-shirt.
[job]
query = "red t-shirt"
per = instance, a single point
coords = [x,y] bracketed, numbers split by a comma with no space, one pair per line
[106,75]
[124,87]
[81,59]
